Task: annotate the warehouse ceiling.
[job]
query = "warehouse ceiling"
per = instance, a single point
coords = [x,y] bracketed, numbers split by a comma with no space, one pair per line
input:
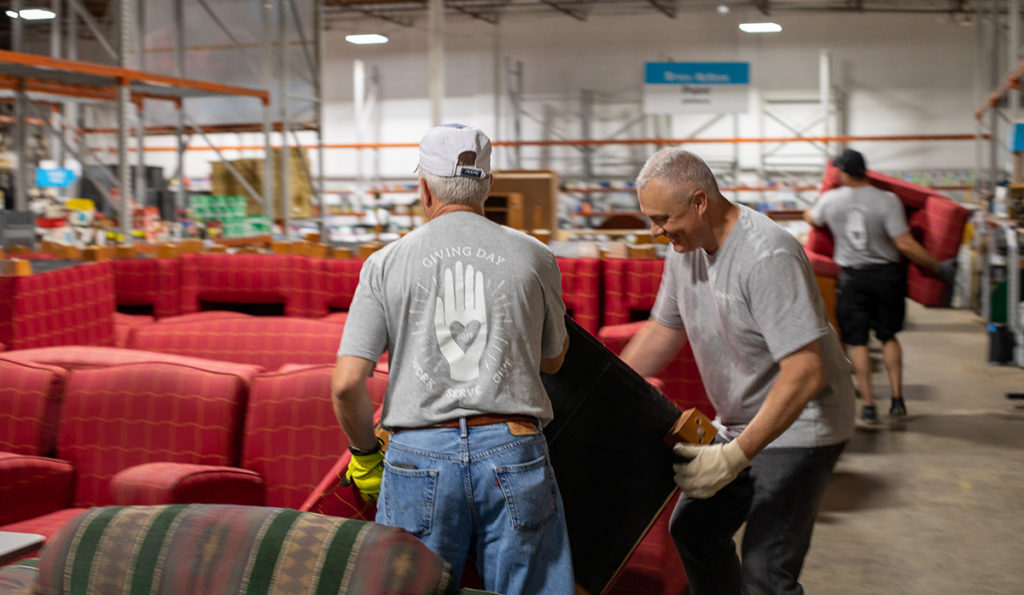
[403,11]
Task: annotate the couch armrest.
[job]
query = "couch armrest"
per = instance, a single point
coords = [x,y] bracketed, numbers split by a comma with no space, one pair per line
[32,486]
[184,483]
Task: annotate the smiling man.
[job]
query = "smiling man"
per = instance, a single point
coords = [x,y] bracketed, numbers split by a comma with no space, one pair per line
[739,288]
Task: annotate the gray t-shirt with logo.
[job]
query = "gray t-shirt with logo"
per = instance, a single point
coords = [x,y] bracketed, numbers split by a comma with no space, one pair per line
[466,309]
[863,221]
[746,307]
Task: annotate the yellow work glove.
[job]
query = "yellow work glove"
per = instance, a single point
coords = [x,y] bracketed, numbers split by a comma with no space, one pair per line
[365,470]
[708,468]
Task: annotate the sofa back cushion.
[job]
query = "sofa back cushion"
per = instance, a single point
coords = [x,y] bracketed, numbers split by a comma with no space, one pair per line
[30,398]
[340,278]
[246,279]
[266,341]
[120,416]
[581,291]
[212,548]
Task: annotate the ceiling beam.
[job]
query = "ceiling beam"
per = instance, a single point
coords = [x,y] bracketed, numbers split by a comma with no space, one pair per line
[667,7]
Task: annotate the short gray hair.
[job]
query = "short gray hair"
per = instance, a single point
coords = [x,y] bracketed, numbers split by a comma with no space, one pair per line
[680,168]
[458,190]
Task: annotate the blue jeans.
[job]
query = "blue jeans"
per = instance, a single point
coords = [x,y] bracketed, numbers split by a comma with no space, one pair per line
[778,497]
[454,488]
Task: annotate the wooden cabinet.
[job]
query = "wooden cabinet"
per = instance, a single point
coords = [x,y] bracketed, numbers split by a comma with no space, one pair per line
[505,208]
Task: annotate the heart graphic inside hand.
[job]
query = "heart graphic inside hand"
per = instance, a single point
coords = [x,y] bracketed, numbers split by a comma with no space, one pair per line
[463,334]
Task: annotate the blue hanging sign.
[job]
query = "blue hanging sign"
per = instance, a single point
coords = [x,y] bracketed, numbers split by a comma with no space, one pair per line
[54,178]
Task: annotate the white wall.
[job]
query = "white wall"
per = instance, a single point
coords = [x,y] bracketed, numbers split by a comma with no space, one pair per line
[901,74]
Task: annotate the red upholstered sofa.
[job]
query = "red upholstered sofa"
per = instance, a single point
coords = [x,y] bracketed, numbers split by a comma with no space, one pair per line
[935,221]
[279,279]
[152,282]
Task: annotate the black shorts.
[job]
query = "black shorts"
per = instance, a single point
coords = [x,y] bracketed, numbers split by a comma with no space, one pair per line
[871,298]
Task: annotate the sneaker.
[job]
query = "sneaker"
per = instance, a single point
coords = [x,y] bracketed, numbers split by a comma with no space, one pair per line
[898,409]
[868,416]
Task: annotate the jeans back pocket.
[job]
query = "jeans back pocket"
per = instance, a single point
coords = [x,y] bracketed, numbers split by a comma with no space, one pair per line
[407,498]
[529,490]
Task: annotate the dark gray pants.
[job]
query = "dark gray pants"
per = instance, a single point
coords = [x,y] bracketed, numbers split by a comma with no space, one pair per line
[778,497]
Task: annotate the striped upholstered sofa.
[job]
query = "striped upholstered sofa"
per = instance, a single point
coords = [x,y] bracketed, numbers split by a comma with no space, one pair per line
[227,549]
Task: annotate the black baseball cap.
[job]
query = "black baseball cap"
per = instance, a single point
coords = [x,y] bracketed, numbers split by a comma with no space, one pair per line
[851,162]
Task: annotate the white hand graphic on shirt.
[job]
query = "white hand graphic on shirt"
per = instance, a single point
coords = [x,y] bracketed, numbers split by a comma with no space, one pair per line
[460,322]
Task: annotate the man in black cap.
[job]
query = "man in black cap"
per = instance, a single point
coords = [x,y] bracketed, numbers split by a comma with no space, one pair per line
[870,231]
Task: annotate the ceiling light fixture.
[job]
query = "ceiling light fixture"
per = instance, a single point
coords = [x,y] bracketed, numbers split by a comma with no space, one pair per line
[33,14]
[760,27]
[366,39]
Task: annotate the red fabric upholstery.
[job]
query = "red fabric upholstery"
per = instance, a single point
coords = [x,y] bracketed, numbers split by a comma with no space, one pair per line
[124,323]
[581,290]
[654,568]
[30,398]
[336,317]
[630,288]
[680,378]
[152,282]
[31,486]
[267,341]
[71,357]
[935,220]
[339,277]
[46,525]
[70,306]
[126,415]
[247,279]
[183,483]
[291,436]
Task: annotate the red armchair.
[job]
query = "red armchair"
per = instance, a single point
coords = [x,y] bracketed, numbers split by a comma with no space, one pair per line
[935,221]
[153,282]
[117,417]
[30,398]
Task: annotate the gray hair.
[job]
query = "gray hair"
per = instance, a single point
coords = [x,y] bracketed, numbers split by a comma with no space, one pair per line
[458,190]
[681,169]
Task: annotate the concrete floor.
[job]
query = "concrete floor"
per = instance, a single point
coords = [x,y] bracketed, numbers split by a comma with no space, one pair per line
[935,505]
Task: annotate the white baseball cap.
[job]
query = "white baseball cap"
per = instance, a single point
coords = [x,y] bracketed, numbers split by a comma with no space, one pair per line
[441,147]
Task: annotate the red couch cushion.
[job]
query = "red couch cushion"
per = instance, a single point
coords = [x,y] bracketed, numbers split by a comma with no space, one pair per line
[266,341]
[30,398]
[69,306]
[125,415]
[581,290]
[72,357]
[46,525]
[31,486]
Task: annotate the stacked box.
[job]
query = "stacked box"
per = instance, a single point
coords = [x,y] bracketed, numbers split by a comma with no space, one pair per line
[230,211]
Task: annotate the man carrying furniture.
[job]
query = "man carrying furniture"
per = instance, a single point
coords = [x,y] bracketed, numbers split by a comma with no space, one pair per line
[870,231]
[470,313]
[740,289]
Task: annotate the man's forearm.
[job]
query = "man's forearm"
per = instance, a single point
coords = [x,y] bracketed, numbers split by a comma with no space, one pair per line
[351,401]
[913,250]
[800,378]
[652,347]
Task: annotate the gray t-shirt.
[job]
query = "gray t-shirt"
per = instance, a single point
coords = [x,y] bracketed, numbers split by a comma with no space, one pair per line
[863,221]
[745,307]
[466,309]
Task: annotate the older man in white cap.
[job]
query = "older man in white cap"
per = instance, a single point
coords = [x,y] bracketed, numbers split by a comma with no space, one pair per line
[470,313]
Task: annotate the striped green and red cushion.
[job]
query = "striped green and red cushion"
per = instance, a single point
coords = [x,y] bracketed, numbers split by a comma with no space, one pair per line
[212,548]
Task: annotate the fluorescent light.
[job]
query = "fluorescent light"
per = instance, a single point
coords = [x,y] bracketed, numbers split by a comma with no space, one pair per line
[12,14]
[760,27]
[366,39]
[37,14]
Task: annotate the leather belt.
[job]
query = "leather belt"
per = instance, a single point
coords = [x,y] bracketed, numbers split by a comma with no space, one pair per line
[476,420]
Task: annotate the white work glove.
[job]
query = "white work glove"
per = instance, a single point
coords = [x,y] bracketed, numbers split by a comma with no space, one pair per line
[709,468]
